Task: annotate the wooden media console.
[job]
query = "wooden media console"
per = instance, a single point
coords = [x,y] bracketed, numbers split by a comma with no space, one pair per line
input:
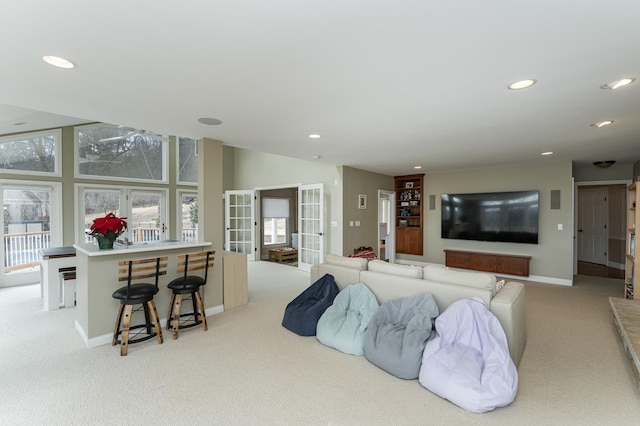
[489,262]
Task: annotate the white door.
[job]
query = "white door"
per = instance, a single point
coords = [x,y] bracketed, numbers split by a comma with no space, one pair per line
[31,221]
[592,225]
[387,224]
[240,222]
[311,226]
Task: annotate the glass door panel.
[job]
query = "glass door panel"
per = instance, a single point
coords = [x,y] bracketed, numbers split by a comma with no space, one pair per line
[311,229]
[240,222]
[26,228]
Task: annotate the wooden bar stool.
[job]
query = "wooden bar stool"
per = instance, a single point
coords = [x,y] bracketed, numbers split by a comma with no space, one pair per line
[189,286]
[138,294]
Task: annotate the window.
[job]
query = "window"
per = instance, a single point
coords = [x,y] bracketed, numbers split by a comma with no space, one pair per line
[188,216]
[120,153]
[31,153]
[275,222]
[187,161]
[144,209]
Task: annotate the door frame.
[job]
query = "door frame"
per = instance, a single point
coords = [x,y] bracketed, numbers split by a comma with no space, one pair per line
[575,211]
[56,232]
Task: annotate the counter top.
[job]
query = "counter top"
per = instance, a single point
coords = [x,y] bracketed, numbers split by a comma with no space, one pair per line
[93,250]
[55,252]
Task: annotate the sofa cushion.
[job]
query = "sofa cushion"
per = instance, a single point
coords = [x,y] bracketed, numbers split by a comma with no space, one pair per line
[302,314]
[398,333]
[356,262]
[468,279]
[395,269]
[344,324]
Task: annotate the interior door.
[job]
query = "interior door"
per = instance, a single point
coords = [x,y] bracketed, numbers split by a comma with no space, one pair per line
[31,221]
[240,222]
[592,225]
[387,225]
[311,226]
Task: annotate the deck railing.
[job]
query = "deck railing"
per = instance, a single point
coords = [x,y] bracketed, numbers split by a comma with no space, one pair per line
[22,249]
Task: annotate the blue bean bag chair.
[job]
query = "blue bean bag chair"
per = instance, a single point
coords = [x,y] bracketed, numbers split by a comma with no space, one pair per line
[398,333]
[468,361]
[302,314]
[344,324]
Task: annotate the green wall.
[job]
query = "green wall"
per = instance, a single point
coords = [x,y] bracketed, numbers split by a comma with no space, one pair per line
[551,257]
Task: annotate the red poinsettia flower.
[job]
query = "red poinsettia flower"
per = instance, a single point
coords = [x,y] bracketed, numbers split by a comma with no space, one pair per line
[109,226]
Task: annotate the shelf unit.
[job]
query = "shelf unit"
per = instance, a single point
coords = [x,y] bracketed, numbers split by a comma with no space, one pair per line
[632,257]
[409,214]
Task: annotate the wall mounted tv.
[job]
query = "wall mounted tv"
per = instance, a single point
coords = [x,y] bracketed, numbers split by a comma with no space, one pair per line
[510,217]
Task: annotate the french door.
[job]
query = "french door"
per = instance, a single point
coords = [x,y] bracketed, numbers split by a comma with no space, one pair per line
[31,220]
[240,222]
[311,226]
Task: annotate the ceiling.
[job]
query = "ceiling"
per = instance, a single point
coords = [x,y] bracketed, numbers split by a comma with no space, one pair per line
[388,85]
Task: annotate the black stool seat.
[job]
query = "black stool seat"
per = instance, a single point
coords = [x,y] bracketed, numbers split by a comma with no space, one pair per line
[185,285]
[131,294]
[189,286]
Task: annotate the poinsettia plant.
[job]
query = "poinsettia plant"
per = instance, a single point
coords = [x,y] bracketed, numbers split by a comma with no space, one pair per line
[109,226]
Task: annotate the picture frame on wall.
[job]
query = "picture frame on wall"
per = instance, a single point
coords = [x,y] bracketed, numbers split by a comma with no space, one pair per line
[362,201]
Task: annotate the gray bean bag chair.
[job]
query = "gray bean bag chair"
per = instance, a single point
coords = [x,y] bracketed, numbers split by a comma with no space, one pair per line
[302,314]
[468,361]
[398,333]
[344,324]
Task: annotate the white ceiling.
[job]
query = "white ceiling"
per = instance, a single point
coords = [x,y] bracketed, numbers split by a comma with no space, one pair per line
[388,85]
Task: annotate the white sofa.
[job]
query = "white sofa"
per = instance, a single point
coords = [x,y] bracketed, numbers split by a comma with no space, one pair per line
[394,281]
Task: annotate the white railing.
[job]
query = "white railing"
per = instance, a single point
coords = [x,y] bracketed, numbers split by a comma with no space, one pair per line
[22,249]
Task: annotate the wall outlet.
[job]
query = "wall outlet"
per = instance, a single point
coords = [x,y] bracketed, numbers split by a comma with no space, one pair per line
[357,223]
[350,223]
[559,227]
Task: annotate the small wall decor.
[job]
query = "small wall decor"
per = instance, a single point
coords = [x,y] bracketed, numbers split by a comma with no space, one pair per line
[362,201]
[408,185]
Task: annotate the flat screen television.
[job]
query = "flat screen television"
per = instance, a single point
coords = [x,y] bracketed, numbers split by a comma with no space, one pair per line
[510,217]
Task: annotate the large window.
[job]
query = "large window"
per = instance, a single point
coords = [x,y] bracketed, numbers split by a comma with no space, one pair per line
[120,153]
[275,223]
[144,209]
[31,153]
[187,161]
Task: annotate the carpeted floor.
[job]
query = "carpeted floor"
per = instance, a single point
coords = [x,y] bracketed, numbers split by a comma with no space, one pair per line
[248,369]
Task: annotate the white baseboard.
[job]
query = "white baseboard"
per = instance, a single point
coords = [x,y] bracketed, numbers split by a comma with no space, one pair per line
[107,338]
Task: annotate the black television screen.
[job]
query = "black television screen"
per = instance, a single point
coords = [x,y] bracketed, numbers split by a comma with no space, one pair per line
[510,217]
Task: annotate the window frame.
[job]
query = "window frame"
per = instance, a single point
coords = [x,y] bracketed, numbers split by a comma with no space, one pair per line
[76,161]
[178,181]
[57,161]
[179,194]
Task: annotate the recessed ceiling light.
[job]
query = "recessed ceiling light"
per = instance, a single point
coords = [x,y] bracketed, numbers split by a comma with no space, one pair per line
[522,84]
[316,157]
[618,83]
[602,123]
[315,136]
[57,61]
[417,167]
[209,121]
[19,123]
[547,153]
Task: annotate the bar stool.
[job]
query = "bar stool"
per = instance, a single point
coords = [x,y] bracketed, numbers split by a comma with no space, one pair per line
[137,294]
[189,286]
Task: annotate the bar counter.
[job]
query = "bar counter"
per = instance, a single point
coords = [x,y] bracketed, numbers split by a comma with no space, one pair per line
[97,279]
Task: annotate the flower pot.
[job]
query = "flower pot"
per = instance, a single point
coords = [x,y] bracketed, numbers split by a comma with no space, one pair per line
[104,242]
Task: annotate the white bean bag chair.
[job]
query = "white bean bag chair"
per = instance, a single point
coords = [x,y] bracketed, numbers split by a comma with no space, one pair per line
[468,361]
[398,333]
[344,324]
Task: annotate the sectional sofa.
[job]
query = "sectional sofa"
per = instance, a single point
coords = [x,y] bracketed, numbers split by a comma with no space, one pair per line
[393,281]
